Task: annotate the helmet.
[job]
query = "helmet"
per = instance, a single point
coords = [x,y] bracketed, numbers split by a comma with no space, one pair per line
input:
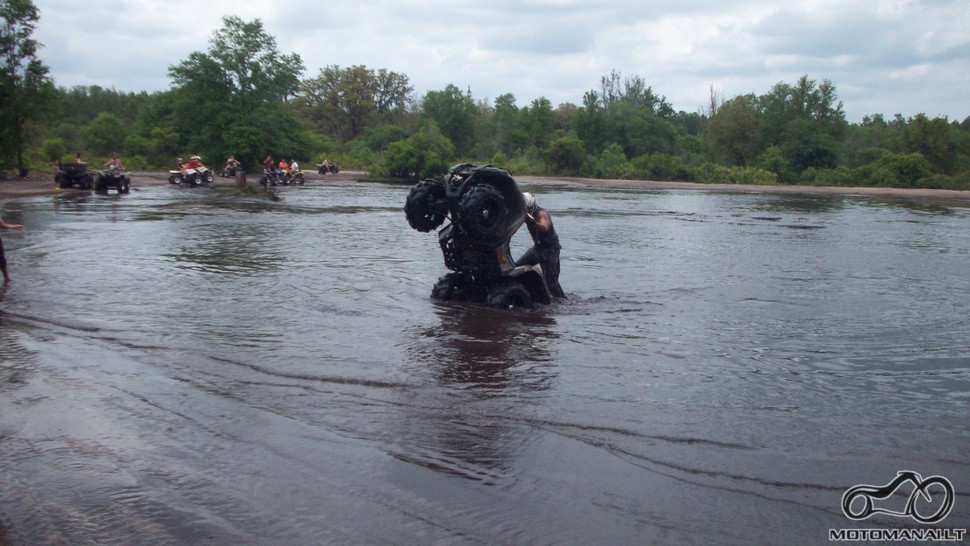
[530,201]
[179,160]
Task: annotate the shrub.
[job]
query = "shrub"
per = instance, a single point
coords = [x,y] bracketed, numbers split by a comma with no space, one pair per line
[894,171]
[712,173]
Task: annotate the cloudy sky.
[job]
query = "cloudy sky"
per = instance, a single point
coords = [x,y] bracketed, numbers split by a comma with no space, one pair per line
[888,56]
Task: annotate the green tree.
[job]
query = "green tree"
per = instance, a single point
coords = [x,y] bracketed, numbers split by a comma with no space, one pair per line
[566,155]
[343,102]
[590,122]
[105,134]
[425,153]
[734,130]
[806,120]
[936,139]
[27,92]
[229,99]
[507,131]
[538,122]
[454,113]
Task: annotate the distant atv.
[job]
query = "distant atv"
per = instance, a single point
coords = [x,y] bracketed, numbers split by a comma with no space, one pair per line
[292,178]
[230,168]
[282,178]
[113,178]
[74,174]
[192,177]
[324,169]
[486,208]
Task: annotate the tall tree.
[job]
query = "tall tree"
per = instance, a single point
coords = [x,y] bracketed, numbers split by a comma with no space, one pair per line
[805,120]
[343,102]
[228,98]
[26,90]
[539,120]
[734,132]
[454,113]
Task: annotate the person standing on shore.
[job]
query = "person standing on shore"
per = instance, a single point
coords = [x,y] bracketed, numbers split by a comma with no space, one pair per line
[3,259]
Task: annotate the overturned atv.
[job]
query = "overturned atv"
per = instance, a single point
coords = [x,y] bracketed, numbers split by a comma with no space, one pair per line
[486,208]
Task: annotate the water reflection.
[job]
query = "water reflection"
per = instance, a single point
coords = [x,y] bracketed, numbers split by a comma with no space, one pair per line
[16,361]
[479,347]
[804,204]
[489,367]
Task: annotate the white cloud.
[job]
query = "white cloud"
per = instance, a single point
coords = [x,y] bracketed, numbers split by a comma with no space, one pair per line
[884,57]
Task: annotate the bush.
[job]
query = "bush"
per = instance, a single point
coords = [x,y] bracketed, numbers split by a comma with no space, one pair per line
[894,171]
[566,155]
[840,176]
[712,173]
[425,153]
[773,159]
[612,163]
[659,166]
[53,148]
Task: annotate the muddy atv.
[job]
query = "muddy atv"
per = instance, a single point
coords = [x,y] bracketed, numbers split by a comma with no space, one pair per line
[113,178]
[486,208]
[74,175]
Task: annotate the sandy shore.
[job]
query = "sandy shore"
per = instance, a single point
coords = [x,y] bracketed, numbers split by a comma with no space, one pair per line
[13,189]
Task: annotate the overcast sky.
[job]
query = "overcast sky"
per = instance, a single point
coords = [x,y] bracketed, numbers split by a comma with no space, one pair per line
[887,57]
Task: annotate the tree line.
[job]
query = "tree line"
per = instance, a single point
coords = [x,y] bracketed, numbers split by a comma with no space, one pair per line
[244,97]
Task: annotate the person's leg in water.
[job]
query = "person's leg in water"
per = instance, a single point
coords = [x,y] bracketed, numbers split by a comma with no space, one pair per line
[550,268]
[3,264]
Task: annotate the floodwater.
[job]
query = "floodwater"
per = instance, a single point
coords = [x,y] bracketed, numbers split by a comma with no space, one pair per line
[182,367]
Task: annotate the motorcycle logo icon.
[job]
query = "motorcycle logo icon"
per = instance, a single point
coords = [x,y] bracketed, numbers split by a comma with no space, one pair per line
[927,512]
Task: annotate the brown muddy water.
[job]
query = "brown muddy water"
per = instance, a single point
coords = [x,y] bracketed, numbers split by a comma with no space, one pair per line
[181,367]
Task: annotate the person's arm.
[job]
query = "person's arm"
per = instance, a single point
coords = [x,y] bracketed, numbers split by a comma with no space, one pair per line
[5,225]
[541,220]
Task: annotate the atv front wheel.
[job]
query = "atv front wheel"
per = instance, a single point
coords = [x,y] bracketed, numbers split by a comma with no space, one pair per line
[425,207]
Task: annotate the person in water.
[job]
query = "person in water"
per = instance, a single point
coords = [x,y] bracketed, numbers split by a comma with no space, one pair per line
[545,250]
[3,259]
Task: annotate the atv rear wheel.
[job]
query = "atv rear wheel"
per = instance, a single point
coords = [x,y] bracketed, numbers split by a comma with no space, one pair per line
[508,294]
[483,211]
[425,207]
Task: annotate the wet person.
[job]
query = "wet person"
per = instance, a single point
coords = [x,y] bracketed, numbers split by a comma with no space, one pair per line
[3,259]
[269,168]
[545,250]
[114,164]
[294,166]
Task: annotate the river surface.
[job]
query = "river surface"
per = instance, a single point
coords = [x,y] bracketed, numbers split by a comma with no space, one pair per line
[183,367]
